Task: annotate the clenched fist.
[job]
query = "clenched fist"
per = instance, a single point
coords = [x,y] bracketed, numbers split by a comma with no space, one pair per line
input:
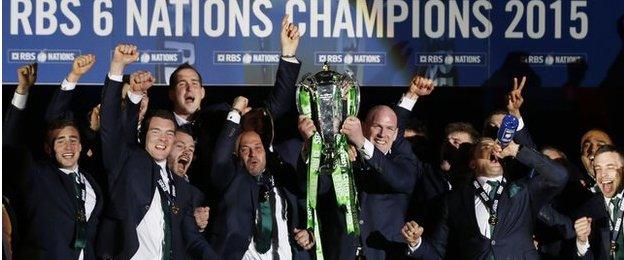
[82,64]
[352,128]
[419,87]
[123,55]
[241,105]
[582,228]
[26,78]
[412,232]
[201,215]
[141,82]
[304,238]
[306,127]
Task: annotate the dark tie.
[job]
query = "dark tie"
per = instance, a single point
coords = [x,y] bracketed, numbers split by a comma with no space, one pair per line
[494,185]
[266,219]
[619,254]
[81,217]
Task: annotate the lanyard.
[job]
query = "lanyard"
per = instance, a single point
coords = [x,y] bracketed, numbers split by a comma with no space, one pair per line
[616,227]
[170,193]
[490,204]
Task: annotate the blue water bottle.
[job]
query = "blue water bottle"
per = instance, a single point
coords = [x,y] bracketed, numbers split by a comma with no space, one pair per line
[507,130]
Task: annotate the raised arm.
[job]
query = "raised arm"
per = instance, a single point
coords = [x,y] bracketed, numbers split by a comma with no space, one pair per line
[282,97]
[11,130]
[111,130]
[551,178]
[223,163]
[62,97]
[419,87]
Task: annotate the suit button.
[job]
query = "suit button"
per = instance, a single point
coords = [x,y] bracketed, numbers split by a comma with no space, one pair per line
[361,222]
[146,207]
[493,242]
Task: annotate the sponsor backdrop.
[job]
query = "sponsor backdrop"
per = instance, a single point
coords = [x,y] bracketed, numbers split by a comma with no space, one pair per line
[455,42]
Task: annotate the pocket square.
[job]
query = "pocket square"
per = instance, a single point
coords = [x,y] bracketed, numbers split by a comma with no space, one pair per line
[513,190]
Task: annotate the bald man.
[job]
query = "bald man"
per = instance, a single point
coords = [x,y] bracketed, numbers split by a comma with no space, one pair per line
[385,172]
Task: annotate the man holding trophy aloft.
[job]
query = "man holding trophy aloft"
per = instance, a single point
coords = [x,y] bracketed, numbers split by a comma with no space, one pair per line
[359,175]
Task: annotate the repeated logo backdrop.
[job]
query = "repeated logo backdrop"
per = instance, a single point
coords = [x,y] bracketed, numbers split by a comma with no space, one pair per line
[455,42]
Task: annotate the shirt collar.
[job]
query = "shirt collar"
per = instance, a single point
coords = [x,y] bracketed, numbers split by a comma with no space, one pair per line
[162,164]
[482,179]
[66,171]
[619,196]
[179,119]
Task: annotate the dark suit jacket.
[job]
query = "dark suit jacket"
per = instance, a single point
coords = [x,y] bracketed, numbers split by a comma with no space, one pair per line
[49,208]
[280,101]
[234,225]
[600,237]
[385,184]
[132,178]
[518,207]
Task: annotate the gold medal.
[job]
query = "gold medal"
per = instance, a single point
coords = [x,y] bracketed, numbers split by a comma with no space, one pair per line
[493,220]
[614,247]
[175,210]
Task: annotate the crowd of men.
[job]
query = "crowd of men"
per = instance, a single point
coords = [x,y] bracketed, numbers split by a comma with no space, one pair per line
[210,182]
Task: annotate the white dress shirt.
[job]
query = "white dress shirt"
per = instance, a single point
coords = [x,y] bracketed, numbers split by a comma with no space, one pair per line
[150,230]
[90,199]
[481,211]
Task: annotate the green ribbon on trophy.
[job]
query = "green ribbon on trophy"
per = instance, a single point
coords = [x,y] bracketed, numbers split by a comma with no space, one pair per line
[328,97]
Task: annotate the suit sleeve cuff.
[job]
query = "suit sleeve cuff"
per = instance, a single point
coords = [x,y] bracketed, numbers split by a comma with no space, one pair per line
[412,249]
[19,100]
[291,60]
[134,97]
[520,124]
[118,78]
[68,86]
[234,117]
[367,150]
[581,249]
[407,103]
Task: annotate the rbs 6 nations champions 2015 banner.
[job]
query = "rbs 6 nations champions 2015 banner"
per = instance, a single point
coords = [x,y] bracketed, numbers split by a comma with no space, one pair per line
[455,42]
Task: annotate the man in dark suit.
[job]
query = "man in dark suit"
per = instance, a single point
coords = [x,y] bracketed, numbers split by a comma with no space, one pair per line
[62,202]
[490,217]
[599,230]
[186,93]
[385,171]
[150,208]
[178,161]
[259,215]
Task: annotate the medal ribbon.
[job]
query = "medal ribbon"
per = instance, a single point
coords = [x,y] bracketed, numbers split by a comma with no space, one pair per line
[490,204]
[615,228]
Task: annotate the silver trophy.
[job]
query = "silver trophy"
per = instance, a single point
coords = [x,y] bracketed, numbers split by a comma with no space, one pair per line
[328,97]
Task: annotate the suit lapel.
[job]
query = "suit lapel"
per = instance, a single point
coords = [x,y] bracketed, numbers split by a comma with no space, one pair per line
[469,204]
[504,205]
[68,185]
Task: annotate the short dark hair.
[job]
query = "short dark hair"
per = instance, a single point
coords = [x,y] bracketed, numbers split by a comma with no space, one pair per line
[187,129]
[173,79]
[609,148]
[160,113]
[462,127]
[60,123]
